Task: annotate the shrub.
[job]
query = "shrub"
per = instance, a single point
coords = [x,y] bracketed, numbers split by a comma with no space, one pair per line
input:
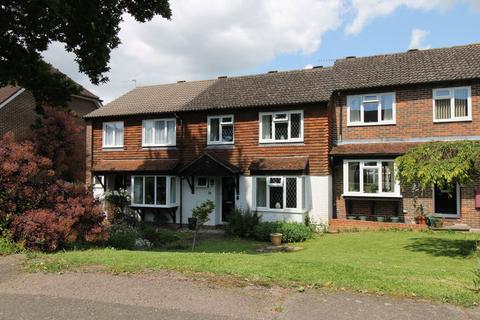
[122,236]
[242,223]
[158,237]
[68,213]
[291,231]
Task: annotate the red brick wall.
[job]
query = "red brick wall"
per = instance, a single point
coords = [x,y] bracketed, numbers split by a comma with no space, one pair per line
[414,115]
[246,147]
[351,225]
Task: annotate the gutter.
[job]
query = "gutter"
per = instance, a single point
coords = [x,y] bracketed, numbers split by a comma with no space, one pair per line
[12,97]
[180,207]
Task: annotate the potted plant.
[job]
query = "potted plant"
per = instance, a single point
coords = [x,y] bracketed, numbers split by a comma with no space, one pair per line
[363,218]
[351,217]
[276,239]
[380,219]
[395,219]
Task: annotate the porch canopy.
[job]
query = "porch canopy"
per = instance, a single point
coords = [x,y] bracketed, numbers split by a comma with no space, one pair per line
[209,165]
[135,165]
[279,165]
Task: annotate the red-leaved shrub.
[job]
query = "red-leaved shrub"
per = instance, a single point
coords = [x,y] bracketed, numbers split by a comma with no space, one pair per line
[69,214]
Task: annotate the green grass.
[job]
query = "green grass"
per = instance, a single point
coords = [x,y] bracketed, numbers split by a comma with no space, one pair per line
[436,266]
[7,247]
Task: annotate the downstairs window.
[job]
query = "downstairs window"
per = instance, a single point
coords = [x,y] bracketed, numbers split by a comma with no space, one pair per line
[446,201]
[280,193]
[370,178]
[154,191]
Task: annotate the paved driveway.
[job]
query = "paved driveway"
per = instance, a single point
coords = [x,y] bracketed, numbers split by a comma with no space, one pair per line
[168,295]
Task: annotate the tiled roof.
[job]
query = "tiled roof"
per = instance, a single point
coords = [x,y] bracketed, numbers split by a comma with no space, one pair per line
[393,148]
[164,165]
[278,88]
[279,164]
[8,91]
[420,66]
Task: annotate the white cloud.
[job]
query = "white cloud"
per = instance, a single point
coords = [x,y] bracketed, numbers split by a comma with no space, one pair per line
[207,38]
[417,39]
[366,11]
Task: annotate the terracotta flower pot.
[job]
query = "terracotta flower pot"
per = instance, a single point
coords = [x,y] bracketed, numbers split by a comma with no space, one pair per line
[276,239]
[421,220]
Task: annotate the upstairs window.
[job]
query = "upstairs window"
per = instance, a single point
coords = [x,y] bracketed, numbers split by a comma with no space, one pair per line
[370,178]
[371,109]
[281,127]
[154,191]
[160,132]
[452,104]
[280,193]
[113,134]
[220,130]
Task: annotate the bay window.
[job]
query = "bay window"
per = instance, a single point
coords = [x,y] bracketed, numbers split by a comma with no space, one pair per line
[370,178]
[279,193]
[113,134]
[220,130]
[159,132]
[281,126]
[452,104]
[371,109]
[154,191]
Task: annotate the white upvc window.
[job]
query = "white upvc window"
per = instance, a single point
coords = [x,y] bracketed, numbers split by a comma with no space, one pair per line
[220,130]
[371,109]
[281,126]
[159,132]
[154,191]
[375,178]
[452,104]
[113,134]
[446,201]
[279,194]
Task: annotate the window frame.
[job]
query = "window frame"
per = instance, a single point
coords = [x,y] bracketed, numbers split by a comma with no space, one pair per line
[301,194]
[167,204]
[197,182]
[220,124]
[361,193]
[458,206]
[104,132]
[166,144]
[288,121]
[452,104]
[379,122]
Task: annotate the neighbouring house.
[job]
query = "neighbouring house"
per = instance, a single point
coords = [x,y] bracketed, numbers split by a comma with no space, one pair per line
[17,112]
[319,142]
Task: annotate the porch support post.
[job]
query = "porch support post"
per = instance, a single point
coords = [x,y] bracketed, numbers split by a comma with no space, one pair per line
[191,183]
[237,185]
[101,182]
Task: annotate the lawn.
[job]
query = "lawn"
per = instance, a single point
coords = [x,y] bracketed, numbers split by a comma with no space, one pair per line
[436,266]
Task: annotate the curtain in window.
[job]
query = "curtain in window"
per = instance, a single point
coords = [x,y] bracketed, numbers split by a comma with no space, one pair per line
[171,132]
[119,134]
[355,103]
[109,129]
[160,132]
[261,192]
[267,127]
[461,102]
[149,132]
[442,109]
[214,129]
[387,107]
[138,190]
[388,177]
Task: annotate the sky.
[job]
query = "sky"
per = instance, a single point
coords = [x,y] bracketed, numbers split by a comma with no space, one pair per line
[210,38]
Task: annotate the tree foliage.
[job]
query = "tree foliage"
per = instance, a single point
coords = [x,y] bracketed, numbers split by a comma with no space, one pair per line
[58,136]
[439,163]
[88,29]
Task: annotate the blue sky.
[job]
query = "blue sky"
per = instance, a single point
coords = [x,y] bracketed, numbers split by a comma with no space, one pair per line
[388,34]
[208,38]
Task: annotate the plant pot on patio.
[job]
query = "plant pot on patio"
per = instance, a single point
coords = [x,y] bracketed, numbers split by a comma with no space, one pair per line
[276,239]
[363,218]
[351,217]
[421,219]
[380,219]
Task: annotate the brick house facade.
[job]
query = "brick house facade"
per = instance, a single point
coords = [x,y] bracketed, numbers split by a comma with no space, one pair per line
[358,116]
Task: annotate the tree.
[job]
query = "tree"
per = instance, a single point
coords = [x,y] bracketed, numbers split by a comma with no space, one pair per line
[57,135]
[89,29]
[438,163]
[200,213]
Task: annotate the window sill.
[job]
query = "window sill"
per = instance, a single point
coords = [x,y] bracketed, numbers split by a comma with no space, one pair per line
[119,148]
[159,147]
[220,146]
[139,206]
[279,143]
[447,216]
[371,124]
[268,210]
[452,120]
[371,195]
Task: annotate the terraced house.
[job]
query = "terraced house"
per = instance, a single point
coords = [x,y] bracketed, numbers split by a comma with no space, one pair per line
[318,142]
